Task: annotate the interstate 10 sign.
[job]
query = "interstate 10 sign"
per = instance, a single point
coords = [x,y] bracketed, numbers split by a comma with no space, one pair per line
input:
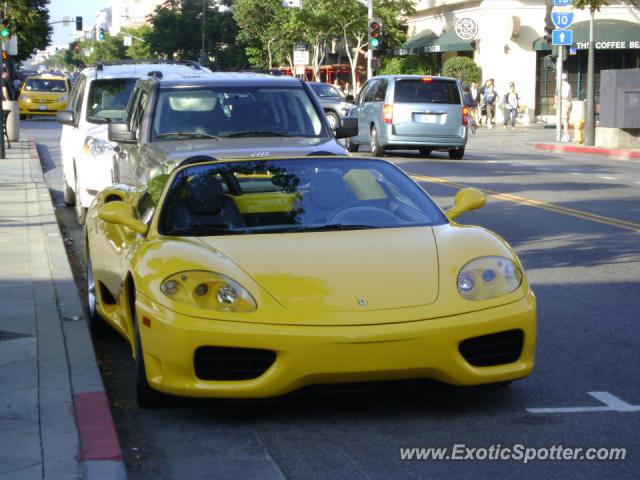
[562,20]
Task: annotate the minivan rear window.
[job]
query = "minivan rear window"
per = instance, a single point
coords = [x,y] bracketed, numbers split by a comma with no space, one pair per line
[434,91]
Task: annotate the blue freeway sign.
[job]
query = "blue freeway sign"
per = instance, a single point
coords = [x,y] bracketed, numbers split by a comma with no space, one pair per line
[562,3]
[562,37]
[562,19]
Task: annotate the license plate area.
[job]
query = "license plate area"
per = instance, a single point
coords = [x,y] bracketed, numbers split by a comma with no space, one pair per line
[430,118]
[42,107]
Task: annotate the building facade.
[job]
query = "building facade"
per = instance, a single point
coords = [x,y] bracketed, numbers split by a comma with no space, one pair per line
[130,13]
[506,39]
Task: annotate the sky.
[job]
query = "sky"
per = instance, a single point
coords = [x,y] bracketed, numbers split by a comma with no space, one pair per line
[87,9]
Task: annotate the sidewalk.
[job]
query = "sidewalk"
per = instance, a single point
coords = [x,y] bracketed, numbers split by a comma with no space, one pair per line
[56,421]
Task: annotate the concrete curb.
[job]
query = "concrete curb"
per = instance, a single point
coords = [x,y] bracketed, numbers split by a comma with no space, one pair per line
[99,452]
[608,152]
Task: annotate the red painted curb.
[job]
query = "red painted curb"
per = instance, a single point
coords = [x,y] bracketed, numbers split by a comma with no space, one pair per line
[98,440]
[590,150]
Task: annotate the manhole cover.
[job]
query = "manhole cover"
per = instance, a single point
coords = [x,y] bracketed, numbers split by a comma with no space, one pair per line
[12,335]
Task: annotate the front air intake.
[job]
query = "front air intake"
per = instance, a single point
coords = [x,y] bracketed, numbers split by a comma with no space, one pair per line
[493,349]
[230,363]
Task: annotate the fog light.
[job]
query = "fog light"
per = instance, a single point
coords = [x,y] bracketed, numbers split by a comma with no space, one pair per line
[227,295]
[465,283]
[170,287]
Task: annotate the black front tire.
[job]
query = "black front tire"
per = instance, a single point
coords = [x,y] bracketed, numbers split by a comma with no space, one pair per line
[97,326]
[333,119]
[68,194]
[377,150]
[456,154]
[351,145]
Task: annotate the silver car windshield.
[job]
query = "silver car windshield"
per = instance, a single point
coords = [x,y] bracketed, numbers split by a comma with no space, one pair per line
[227,112]
[293,195]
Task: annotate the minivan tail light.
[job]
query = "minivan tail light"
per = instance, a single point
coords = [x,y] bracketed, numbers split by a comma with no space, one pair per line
[465,116]
[387,113]
[427,79]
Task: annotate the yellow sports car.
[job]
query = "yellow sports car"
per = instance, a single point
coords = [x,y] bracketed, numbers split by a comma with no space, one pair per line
[253,278]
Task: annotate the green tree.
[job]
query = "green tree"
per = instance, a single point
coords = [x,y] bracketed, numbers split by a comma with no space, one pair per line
[109,49]
[31,23]
[411,65]
[138,49]
[462,68]
[593,5]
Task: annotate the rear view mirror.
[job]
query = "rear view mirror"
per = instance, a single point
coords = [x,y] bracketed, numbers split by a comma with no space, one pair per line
[66,117]
[118,212]
[350,98]
[348,128]
[119,132]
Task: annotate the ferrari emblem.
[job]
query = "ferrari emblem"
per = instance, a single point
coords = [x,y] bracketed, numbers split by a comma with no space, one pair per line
[362,302]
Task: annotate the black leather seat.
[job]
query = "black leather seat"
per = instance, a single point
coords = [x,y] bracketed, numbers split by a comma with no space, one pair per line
[206,205]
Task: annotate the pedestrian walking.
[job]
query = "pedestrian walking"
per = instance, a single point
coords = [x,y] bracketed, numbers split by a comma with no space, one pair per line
[474,91]
[490,100]
[511,105]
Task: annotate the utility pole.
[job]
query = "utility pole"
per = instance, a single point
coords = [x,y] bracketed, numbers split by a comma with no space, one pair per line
[590,121]
[202,54]
[2,126]
[559,94]
[369,49]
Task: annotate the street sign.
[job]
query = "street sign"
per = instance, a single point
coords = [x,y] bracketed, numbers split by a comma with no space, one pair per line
[562,37]
[127,41]
[562,3]
[562,20]
[300,54]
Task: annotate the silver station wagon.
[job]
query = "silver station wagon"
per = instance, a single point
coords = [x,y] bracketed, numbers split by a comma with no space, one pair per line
[411,112]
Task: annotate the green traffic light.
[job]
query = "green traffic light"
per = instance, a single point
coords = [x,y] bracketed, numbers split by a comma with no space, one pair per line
[375,42]
[5,32]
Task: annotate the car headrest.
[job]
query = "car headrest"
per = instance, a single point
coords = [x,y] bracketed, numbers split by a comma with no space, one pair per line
[205,195]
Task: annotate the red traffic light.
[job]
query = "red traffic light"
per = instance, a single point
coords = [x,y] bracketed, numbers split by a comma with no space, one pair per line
[5,55]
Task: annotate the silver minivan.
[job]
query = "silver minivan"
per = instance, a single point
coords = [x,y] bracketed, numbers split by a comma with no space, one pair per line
[411,112]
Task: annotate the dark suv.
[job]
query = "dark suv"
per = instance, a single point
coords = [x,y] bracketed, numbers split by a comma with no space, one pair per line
[223,116]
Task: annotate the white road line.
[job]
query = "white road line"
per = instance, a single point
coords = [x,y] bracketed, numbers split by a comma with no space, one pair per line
[578,173]
[612,404]
[545,169]
[608,178]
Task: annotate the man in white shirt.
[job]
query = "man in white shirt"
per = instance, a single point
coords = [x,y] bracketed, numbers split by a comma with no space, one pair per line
[565,93]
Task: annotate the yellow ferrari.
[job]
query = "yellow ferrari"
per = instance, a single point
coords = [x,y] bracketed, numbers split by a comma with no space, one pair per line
[253,278]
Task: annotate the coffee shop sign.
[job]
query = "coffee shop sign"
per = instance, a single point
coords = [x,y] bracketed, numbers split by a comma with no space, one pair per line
[609,45]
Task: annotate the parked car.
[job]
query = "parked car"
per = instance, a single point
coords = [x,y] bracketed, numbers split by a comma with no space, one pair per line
[100,95]
[44,94]
[411,112]
[335,103]
[253,278]
[225,115]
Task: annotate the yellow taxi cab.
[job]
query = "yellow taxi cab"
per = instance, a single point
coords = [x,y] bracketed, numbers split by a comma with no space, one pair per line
[43,94]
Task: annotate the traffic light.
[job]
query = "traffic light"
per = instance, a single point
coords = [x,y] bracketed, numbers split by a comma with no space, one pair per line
[101,33]
[375,34]
[77,48]
[5,28]
[5,56]
[78,24]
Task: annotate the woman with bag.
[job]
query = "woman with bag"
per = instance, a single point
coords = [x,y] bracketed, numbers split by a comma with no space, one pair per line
[511,100]
[490,97]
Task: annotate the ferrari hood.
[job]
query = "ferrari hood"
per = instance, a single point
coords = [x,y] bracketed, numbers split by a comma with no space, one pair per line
[340,271]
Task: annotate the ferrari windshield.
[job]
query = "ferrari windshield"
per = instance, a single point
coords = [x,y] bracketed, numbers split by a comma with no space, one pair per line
[293,195]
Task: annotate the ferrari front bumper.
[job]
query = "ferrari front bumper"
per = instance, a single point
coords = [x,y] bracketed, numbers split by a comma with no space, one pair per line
[306,355]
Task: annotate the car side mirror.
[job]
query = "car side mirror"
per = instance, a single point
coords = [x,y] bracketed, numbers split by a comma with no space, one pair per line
[350,98]
[66,117]
[118,212]
[466,200]
[119,132]
[348,128]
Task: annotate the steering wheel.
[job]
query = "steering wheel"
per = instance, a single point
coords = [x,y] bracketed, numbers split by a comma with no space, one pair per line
[362,213]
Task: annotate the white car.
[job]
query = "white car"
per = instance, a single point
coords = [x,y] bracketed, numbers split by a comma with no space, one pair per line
[100,95]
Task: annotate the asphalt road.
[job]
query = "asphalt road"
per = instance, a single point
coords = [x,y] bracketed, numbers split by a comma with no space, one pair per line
[574,221]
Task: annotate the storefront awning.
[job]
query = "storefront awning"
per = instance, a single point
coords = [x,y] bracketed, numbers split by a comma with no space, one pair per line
[428,42]
[608,35]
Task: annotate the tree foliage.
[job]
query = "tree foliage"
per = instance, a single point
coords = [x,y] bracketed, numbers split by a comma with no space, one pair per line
[411,65]
[462,68]
[176,32]
[138,49]
[31,24]
[593,5]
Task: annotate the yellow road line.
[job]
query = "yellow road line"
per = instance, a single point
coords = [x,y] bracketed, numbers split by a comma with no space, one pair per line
[634,227]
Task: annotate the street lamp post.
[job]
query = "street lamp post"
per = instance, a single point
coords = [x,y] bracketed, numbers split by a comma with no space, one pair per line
[590,123]
[369,49]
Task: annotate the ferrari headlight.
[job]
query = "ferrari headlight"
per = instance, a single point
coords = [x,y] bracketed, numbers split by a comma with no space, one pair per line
[488,277]
[208,290]
[97,146]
